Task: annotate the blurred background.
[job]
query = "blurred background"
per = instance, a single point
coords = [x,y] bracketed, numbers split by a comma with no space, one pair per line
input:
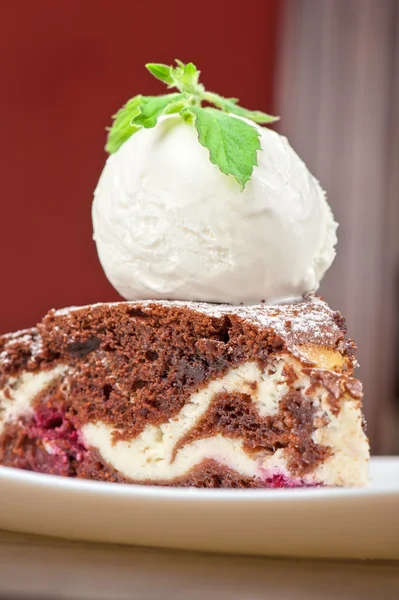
[330,68]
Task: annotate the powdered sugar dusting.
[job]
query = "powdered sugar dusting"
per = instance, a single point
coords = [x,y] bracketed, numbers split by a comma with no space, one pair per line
[29,339]
[36,346]
[17,335]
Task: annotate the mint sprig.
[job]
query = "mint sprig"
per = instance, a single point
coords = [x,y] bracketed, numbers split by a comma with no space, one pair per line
[232,143]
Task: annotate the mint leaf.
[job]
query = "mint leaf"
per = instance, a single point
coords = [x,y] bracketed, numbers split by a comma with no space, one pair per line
[230,105]
[122,129]
[183,77]
[186,77]
[232,143]
[161,72]
[151,110]
[138,112]
[176,106]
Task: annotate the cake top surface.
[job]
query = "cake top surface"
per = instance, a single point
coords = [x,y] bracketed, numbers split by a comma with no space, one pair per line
[288,327]
[310,320]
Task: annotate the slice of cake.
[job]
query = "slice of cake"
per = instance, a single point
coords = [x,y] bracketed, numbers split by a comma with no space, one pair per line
[185,394]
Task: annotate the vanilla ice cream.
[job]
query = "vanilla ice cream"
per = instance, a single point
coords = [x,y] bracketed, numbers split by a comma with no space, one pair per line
[169,225]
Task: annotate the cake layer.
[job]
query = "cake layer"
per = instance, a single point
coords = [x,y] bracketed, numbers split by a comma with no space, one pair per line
[163,392]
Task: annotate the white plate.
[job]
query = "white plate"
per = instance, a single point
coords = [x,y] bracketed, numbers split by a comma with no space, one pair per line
[323,523]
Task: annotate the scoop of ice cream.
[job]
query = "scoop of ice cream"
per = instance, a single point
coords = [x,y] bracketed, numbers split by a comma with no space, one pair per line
[169,225]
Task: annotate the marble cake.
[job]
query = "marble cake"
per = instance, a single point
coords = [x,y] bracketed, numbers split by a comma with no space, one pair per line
[185,394]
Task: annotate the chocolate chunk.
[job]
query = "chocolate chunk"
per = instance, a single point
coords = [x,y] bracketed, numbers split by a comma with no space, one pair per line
[80,349]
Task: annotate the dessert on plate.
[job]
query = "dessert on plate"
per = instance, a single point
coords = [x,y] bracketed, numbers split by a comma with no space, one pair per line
[222,368]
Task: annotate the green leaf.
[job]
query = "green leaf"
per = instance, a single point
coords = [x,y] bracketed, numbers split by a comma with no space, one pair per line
[232,143]
[186,77]
[161,72]
[230,105]
[183,77]
[190,76]
[122,129]
[138,112]
[150,111]
[176,107]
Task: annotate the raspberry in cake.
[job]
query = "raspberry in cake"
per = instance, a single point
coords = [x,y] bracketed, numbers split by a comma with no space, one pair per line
[185,394]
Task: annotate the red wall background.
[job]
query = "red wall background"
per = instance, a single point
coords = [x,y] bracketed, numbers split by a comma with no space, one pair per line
[66,66]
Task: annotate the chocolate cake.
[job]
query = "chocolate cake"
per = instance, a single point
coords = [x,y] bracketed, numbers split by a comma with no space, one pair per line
[185,394]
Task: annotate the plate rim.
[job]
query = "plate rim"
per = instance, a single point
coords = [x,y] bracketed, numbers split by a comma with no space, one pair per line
[113,489]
